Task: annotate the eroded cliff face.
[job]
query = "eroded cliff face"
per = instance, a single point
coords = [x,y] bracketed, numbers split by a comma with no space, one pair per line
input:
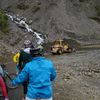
[75,19]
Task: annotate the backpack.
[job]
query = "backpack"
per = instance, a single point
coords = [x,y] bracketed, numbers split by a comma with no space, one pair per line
[16,57]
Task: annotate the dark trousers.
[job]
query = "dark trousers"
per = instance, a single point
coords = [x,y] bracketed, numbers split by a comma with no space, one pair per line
[25,84]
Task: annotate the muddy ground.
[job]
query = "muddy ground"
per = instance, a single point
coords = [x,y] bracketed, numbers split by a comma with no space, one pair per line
[78,76]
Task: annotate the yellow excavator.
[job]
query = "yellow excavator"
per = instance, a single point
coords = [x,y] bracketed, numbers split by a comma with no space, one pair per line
[60,46]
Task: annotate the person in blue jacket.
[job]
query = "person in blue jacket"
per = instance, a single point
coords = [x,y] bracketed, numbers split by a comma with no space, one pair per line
[40,72]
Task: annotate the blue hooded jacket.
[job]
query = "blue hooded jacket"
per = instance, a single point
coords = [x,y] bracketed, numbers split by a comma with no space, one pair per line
[40,73]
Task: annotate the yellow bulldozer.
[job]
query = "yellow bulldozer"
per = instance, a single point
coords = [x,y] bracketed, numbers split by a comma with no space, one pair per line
[60,46]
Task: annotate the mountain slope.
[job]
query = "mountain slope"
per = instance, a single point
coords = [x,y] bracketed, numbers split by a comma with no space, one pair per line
[75,19]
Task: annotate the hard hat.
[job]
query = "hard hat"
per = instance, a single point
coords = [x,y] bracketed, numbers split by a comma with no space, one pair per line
[38,50]
[27,43]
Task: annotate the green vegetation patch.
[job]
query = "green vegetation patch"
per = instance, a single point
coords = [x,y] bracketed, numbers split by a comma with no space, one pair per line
[3,22]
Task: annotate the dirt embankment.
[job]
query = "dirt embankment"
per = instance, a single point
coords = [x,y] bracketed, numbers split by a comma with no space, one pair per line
[56,18]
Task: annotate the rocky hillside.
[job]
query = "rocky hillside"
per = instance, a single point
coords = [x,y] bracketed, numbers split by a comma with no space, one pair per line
[72,19]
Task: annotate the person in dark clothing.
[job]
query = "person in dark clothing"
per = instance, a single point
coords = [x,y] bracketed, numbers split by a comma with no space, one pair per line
[24,58]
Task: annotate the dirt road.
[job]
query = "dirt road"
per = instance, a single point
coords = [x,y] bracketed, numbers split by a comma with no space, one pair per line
[78,76]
